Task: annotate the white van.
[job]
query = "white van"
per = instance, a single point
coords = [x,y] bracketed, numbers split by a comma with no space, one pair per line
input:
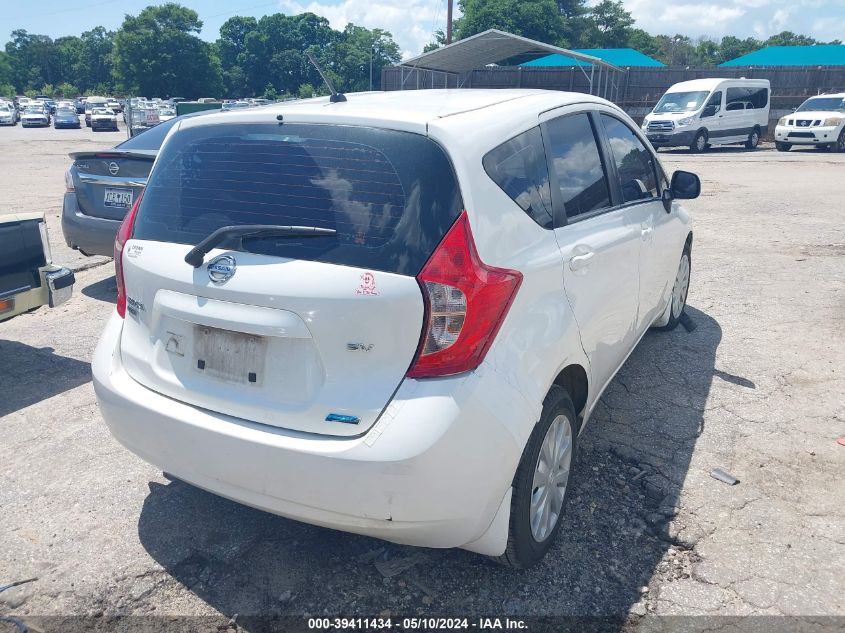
[705,112]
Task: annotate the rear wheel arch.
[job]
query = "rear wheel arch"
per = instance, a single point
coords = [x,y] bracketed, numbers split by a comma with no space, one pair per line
[574,379]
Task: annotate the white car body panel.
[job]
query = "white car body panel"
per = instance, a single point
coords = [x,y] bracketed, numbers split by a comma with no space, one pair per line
[432,460]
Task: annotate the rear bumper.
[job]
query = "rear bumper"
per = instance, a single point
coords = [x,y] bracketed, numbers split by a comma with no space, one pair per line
[56,287]
[93,236]
[433,471]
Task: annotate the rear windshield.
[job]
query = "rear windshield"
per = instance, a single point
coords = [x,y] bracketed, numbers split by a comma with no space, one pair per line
[391,196]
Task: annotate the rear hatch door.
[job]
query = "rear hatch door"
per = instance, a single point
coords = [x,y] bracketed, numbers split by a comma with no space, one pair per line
[309,334]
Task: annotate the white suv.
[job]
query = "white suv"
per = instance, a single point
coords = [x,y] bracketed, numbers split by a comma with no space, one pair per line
[818,121]
[391,315]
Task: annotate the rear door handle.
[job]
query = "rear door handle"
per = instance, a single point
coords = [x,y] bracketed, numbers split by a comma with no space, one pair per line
[646,231]
[580,262]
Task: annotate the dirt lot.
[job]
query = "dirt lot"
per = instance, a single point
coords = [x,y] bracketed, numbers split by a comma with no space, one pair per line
[756,389]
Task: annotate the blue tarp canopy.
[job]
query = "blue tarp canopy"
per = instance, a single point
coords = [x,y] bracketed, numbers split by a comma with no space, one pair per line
[621,57]
[819,55]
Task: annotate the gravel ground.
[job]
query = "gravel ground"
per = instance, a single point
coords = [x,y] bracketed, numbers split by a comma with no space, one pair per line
[756,388]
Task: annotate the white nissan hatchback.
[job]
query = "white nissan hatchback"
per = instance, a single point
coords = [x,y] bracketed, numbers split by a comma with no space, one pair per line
[391,315]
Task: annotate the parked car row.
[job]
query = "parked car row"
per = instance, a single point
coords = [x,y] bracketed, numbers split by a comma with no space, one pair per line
[703,113]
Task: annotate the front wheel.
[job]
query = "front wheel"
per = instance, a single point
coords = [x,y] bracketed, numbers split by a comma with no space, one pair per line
[839,145]
[680,289]
[541,484]
[699,143]
[783,147]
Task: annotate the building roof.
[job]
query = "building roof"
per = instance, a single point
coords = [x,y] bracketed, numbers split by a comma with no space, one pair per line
[819,55]
[490,47]
[625,57]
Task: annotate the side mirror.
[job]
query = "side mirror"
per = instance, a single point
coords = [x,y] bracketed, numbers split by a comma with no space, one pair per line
[708,111]
[685,185]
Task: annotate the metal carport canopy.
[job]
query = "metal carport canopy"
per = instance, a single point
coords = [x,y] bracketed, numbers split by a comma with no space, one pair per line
[490,47]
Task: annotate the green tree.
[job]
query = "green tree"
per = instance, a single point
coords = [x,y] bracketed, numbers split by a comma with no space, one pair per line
[66,90]
[231,49]
[732,47]
[270,92]
[609,25]
[356,53]
[306,91]
[438,41]
[33,59]
[645,43]
[539,20]
[95,64]
[706,52]
[158,53]
[5,69]
[788,38]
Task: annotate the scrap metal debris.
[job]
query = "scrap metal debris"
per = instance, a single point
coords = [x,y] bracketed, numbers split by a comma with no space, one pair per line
[721,475]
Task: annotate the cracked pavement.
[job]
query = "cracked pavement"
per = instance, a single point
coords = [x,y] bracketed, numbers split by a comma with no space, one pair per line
[755,389]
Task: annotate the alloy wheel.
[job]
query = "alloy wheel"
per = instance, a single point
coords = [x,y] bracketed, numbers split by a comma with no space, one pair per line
[551,476]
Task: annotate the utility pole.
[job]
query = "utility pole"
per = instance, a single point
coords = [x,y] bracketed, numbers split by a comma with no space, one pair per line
[448,22]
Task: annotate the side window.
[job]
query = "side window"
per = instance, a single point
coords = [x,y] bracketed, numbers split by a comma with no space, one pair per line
[750,98]
[575,158]
[714,104]
[519,168]
[634,163]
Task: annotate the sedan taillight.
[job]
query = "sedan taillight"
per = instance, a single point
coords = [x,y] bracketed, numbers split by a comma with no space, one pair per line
[124,233]
[466,302]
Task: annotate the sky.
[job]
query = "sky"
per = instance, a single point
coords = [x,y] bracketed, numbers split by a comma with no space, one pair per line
[412,22]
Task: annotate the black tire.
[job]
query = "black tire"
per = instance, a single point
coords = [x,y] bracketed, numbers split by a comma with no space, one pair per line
[699,143]
[839,145]
[674,318]
[753,139]
[783,147]
[523,550]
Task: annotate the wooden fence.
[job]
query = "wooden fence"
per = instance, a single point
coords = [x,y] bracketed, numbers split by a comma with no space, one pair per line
[633,89]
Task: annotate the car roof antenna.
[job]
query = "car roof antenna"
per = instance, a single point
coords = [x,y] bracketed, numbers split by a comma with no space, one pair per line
[336,97]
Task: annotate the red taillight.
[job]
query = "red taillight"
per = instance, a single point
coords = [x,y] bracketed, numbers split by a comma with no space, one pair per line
[123,235]
[465,304]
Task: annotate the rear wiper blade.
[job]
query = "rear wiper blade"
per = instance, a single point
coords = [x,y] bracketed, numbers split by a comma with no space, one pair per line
[196,255]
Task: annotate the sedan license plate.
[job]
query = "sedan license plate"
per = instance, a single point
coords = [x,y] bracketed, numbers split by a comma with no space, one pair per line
[121,198]
[229,356]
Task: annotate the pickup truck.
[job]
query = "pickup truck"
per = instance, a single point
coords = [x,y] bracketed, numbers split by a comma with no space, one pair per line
[28,277]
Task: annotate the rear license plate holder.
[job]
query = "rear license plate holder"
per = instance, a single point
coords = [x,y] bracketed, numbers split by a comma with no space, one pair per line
[117,197]
[229,356]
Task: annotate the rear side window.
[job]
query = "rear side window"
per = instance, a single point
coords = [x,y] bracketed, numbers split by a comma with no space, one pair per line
[575,158]
[634,163]
[519,168]
[391,196]
[750,98]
